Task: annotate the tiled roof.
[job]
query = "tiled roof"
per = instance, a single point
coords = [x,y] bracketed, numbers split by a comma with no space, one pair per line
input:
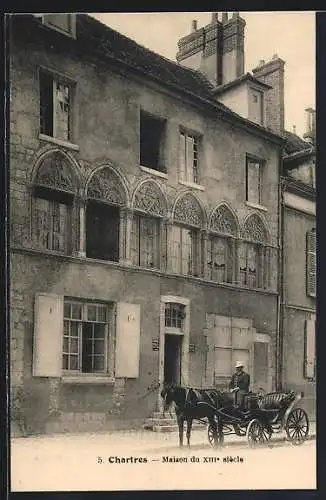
[112,43]
[243,78]
[294,143]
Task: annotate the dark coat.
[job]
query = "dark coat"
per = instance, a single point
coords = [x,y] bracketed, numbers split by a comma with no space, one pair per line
[241,380]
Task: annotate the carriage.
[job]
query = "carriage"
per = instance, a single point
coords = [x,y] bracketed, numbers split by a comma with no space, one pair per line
[258,418]
[263,415]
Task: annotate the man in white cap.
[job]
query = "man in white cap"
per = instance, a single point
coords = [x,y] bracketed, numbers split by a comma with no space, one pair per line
[240,383]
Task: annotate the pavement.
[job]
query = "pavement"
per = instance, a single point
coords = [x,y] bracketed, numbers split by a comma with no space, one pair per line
[145,460]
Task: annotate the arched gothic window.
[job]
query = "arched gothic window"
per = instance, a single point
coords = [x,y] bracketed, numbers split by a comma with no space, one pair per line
[105,196]
[147,233]
[252,256]
[185,244]
[54,187]
[221,248]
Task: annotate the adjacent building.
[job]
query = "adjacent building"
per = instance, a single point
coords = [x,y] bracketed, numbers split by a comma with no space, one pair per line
[298,287]
[145,220]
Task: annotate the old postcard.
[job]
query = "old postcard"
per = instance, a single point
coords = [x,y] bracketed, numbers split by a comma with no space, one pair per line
[163,251]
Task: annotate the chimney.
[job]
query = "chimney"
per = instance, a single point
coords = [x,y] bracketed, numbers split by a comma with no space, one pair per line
[310,133]
[272,73]
[217,50]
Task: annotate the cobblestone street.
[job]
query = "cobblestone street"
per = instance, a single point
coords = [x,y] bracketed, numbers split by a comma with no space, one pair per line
[149,461]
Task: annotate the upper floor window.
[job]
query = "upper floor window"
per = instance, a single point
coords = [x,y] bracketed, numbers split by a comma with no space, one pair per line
[256,106]
[106,194]
[311,263]
[218,258]
[184,250]
[102,231]
[254,176]
[152,142]
[64,23]
[145,241]
[52,220]
[56,98]
[248,263]
[54,189]
[188,157]
[85,337]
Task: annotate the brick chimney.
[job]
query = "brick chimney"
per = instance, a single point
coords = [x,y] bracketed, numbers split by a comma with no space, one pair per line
[232,48]
[217,49]
[310,133]
[272,73]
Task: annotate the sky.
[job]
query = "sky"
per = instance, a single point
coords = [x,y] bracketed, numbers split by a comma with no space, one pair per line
[291,35]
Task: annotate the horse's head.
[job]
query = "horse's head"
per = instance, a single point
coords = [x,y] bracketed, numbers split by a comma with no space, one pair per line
[167,394]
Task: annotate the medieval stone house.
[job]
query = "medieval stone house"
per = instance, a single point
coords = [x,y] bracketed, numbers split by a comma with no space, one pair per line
[145,219]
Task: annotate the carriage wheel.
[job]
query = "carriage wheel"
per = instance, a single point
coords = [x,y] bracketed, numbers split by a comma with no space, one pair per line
[257,433]
[297,426]
[215,438]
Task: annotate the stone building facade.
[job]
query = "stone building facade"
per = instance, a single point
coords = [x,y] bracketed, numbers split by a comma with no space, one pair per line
[145,228]
[298,286]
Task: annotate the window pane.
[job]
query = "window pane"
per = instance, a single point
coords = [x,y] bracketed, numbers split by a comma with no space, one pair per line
[218,259]
[190,159]
[148,242]
[62,110]
[182,157]
[98,331]
[99,347]
[102,310]
[73,361]
[91,313]
[67,310]
[253,182]
[76,311]
[65,344]
[187,252]
[175,249]
[135,254]
[46,104]
[74,329]
[73,345]
[65,361]
[42,236]
[98,364]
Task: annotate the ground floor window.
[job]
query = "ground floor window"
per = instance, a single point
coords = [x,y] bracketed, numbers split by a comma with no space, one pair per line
[85,337]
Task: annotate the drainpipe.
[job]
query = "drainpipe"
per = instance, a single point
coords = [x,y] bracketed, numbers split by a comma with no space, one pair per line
[280,299]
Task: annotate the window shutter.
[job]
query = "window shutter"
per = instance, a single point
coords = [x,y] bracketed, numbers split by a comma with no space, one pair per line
[48,335]
[310,329]
[128,340]
[311,263]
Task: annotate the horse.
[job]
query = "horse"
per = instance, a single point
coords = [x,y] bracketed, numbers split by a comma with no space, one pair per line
[193,404]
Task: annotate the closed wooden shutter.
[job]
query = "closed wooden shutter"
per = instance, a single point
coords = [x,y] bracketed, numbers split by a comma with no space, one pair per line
[310,333]
[48,335]
[127,340]
[311,263]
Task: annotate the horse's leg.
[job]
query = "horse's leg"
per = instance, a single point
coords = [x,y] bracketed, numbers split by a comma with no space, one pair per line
[180,421]
[189,426]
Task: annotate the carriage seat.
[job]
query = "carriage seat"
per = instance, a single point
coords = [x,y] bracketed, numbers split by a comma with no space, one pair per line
[273,401]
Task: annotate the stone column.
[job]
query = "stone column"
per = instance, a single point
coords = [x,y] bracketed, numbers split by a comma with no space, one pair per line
[163,244]
[79,248]
[126,216]
[204,249]
[169,226]
[237,244]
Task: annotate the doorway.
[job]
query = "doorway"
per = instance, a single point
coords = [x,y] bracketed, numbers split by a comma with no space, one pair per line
[172,358]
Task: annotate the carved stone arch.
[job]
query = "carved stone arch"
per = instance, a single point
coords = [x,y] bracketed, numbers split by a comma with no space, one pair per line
[255,229]
[189,210]
[149,197]
[224,221]
[106,184]
[56,169]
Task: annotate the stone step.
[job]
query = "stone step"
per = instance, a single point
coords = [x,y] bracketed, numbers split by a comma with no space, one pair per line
[156,425]
[160,421]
